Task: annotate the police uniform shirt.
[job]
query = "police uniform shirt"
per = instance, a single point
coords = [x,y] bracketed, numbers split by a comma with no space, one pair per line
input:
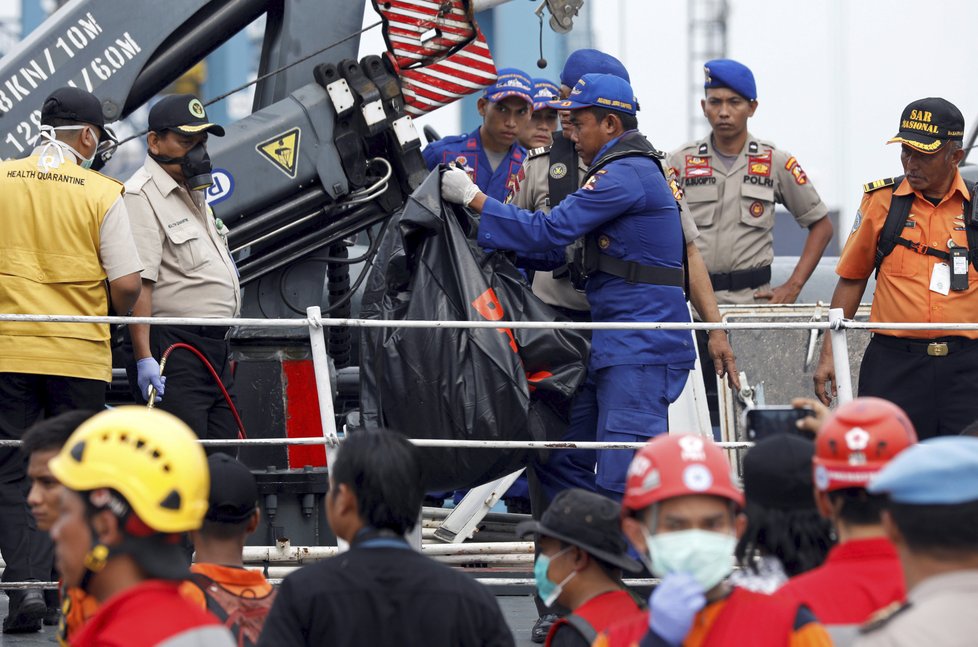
[940,611]
[631,209]
[532,193]
[183,252]
[734,208]
[903,291]
[468,153]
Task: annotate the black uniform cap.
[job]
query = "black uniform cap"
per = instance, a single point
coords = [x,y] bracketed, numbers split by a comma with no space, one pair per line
[73,104]
[183,113]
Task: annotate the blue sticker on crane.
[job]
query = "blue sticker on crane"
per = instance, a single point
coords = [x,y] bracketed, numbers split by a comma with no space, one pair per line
[222,187]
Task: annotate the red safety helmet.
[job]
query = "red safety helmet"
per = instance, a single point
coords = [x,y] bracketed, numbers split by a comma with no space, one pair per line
[678,465]
[857,440]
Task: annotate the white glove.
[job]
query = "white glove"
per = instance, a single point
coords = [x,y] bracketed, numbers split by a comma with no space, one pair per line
[458,187]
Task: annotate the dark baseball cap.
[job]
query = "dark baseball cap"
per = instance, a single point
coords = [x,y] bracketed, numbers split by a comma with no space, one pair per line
[926,124]
[73,104]
[587,520]
[234,491]
[183,113]
[778,473]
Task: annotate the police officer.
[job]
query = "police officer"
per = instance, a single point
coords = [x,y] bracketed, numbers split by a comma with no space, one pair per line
[628,216]
[932,518]
[65,233]
[914,231]
[188,270]
[547,177]
[732,181]
[491,154]
[539,130]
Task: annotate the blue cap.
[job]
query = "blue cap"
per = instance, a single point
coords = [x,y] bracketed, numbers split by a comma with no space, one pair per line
[591,61]
[510,82]
[937,471]
[601,91]
[544,91]
[726,73]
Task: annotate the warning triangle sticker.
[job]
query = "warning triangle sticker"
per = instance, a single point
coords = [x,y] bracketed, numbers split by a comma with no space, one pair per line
[282,151]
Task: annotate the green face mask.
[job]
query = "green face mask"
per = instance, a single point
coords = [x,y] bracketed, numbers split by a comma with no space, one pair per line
[707,556]
[549,591]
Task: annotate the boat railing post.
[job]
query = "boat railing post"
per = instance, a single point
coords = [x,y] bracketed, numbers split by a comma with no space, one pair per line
[840,355]
[324,390]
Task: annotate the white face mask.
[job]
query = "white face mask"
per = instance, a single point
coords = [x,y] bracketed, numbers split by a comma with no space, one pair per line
[53,149]
[707,556]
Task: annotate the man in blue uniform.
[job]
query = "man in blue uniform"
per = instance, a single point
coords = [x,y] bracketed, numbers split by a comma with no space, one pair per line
[629,219]
[492,154]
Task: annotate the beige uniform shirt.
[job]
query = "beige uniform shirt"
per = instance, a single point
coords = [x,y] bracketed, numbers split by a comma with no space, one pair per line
[941,611]
[734,208]
[180,247]
[533,193]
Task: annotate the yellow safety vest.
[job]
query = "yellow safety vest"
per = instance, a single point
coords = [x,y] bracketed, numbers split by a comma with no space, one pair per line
[49,264]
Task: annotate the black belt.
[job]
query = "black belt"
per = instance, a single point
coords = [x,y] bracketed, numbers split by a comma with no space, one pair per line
[741,279]
[213,332]
[937,347]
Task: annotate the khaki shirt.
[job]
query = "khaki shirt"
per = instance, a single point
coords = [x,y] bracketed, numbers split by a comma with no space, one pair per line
[940,611]
[533,193]
[734,209]
[180,247]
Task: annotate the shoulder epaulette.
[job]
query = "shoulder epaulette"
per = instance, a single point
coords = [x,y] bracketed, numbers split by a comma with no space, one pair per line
[537,152]
[880,619]
[878,184]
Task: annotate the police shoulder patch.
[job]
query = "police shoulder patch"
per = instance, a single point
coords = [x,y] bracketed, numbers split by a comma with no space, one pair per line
[537,152]
[869,187]
[882,617]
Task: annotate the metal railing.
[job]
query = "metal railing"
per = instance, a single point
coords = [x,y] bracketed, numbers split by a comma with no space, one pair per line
[315,323]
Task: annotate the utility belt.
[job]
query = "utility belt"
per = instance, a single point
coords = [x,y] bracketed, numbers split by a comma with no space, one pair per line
[587,259]
[937,347]
[741,279]
[211,332]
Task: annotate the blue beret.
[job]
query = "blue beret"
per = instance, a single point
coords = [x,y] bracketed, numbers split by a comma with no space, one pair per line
[726,73]
[937,471]
[590,61]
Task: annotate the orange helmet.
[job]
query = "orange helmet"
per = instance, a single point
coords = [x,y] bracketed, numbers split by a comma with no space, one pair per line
[857,440]
[677,465]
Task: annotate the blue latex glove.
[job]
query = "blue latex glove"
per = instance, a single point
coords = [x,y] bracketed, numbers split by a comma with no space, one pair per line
[148,374]
[673,606]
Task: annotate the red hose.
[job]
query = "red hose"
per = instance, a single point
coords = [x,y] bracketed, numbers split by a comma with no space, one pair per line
[217,380]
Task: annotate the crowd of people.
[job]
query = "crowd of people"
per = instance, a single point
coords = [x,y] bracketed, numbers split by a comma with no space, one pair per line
[861,536]
[845,530]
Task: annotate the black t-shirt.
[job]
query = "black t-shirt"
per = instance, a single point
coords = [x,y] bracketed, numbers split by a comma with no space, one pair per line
[383,596]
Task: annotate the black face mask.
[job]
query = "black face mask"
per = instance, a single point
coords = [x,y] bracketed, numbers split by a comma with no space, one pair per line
[196,166]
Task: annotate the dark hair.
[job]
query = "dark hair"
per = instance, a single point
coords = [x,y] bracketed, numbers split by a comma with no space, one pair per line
[942,531]
[859,507]
[384,472]
[223,531]
[628,122]
[53,433]
[799,538]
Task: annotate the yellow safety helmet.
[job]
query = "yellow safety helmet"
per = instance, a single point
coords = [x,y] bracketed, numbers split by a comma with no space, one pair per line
[148,456]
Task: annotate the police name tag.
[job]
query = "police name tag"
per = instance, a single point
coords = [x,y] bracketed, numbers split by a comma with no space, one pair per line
[940,279]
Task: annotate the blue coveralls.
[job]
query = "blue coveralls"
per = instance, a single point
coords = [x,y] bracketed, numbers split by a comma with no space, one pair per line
[467,151]
[634,374]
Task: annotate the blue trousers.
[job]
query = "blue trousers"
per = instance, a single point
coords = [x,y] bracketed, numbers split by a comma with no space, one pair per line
[627,403]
